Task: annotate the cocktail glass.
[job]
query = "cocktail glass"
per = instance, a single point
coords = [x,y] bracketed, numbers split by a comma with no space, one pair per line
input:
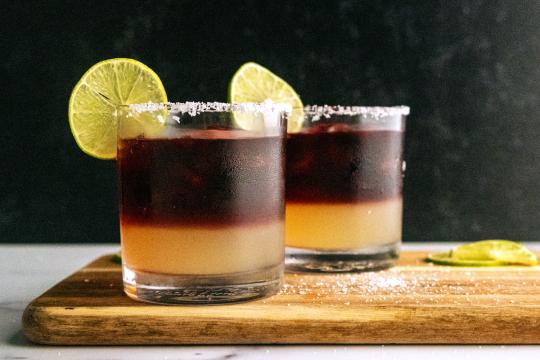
[201,201]
[344,188]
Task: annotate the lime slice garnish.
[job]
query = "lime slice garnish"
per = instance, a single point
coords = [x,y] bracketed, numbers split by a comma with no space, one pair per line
[100,92]
[255,84]
[486,253]
[446,259]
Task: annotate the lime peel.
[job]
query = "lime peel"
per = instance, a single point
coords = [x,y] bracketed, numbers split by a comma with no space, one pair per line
[117,258]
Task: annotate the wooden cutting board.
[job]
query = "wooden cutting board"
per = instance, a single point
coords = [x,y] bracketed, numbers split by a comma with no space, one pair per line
[412,303]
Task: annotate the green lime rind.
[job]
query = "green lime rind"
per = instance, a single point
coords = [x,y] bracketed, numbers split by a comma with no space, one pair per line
[117,258]
[486,253]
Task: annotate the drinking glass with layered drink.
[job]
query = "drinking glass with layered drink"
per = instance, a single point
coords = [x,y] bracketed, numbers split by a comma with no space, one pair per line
[344,188]
[201,201]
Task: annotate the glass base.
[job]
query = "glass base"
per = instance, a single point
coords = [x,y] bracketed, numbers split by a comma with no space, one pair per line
[371,259]
[201,289]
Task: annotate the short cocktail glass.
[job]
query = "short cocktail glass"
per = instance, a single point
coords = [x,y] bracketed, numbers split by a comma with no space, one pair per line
[344,188]
[201,201]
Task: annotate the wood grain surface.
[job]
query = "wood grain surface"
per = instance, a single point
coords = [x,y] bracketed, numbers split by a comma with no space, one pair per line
[412,303]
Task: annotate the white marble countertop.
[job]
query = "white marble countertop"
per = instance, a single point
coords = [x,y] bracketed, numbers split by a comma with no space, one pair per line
[26,271]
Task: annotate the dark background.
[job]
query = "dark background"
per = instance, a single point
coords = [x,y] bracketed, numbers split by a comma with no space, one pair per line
[470,70]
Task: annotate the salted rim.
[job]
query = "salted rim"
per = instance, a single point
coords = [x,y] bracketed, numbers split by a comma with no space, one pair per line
[375,111]
[194,108]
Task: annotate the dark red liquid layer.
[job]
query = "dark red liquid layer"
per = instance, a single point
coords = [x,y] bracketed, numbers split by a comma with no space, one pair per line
[344,166]
[201,181]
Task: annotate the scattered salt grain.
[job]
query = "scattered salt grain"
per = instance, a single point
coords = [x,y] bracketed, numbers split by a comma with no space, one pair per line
[404,286]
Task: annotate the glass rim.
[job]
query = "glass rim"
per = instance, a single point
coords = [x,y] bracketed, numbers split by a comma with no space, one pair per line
[375,111]
[194,108]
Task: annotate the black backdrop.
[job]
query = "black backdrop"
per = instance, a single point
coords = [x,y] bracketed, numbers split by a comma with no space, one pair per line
[469,70]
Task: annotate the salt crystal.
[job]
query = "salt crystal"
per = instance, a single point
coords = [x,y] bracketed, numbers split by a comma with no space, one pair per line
[326,111]
[196,108]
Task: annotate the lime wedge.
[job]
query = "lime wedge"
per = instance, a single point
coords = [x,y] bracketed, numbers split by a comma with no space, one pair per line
[254,83]
[96,98]
[486,253]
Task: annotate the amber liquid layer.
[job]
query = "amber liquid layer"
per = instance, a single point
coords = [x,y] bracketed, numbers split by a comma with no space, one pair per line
[183,250]
[342,227]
